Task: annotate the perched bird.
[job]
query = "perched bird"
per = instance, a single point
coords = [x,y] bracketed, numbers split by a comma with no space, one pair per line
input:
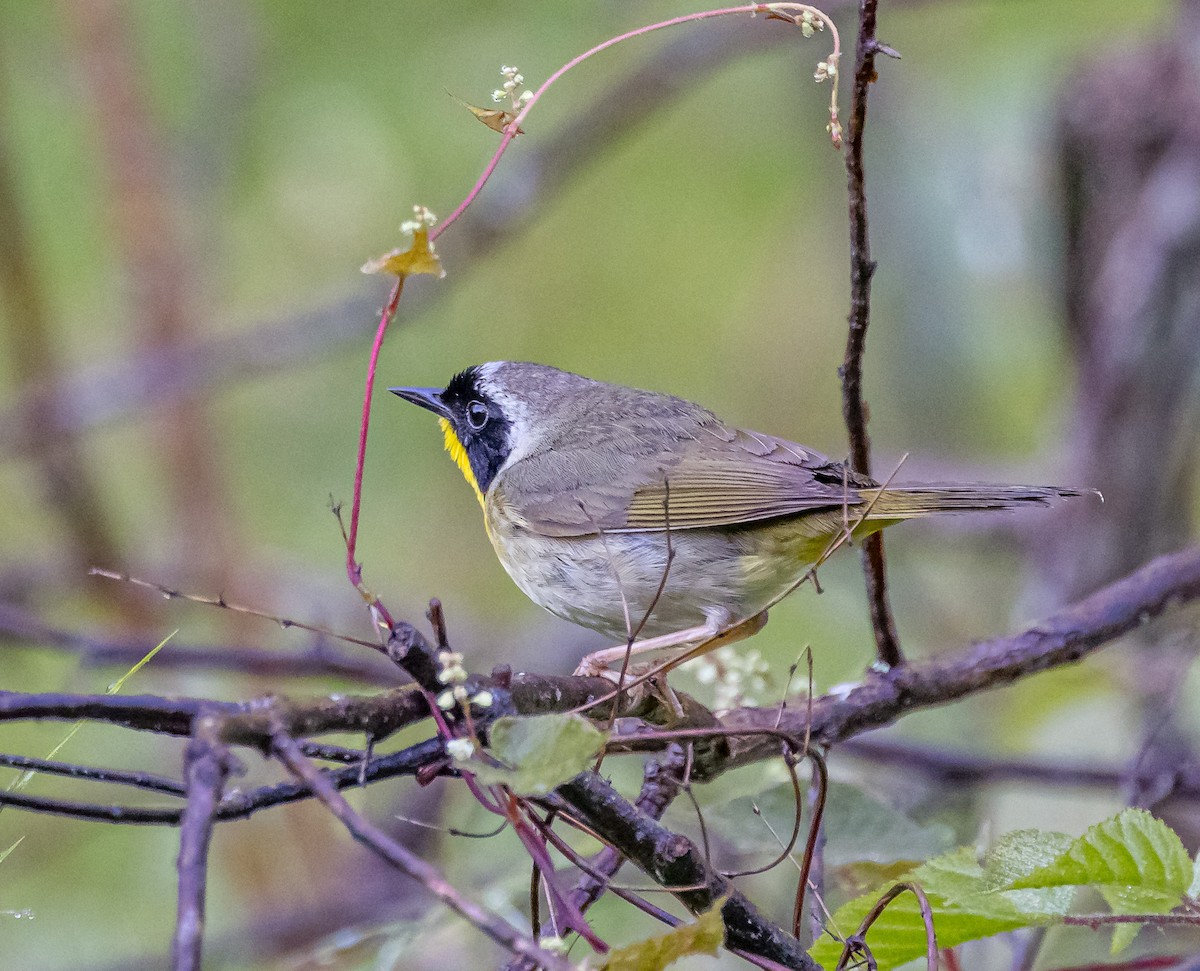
[617,508]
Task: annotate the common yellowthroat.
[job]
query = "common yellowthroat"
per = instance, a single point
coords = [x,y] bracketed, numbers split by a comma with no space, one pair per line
[586,485]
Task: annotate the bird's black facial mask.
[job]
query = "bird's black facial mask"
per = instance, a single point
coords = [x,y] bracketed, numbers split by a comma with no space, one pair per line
[475,428]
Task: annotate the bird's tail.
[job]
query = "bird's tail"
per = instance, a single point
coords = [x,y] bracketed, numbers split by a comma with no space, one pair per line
[912,500]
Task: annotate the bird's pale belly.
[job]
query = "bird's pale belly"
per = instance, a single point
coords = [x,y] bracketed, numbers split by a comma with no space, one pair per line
[608,582]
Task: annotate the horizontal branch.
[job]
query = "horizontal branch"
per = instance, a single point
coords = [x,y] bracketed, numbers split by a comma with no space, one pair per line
[237,805]
[243,723]
[137,780]
[880,699]
[975,768]
[1062,638]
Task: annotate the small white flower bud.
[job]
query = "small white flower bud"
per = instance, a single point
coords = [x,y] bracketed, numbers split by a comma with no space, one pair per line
[460,749]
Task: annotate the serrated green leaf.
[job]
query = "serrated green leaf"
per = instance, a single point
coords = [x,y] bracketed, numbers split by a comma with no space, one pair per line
[1123,935]
[1133,850]
[1017,854]
[539,752]
[965,907]
[703,936]
[1135,861]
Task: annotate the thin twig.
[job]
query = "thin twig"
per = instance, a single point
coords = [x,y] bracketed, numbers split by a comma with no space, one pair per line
[137,780]
[785,849]
[855,943]
[821,780]
[416,760]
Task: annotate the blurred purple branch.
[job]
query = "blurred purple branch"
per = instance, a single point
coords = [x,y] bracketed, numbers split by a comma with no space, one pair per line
[133,159]
[36,362]
[956,767]
[20,629]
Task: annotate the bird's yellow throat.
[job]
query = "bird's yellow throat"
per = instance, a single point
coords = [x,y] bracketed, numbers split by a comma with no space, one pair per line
[459,454]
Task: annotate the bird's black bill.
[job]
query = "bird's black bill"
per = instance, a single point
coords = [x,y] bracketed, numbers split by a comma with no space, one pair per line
[429,398]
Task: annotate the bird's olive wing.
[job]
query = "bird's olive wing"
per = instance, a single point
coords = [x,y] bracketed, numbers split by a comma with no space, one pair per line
[719,477]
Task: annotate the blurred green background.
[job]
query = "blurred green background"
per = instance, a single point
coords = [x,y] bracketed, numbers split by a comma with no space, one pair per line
[700,251]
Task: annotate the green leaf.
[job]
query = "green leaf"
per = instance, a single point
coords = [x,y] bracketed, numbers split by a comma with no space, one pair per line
[703,936]
[1019,853]
[1132,851]
[966,906]
[1136,862]
[539,752]
[1119,901]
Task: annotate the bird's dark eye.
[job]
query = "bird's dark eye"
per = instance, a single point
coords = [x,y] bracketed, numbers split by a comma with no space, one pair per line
[477,415]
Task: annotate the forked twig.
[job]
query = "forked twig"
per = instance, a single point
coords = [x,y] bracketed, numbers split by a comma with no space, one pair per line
[223,604]
[288,752]
[856,942]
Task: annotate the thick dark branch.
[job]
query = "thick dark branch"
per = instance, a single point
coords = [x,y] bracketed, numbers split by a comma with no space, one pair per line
[150,713]
[673,860]
[661,784]
[244,723]
[1063,638]
[862,269]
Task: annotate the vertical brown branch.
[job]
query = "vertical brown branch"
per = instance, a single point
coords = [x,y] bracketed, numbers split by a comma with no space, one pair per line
[35,363]
[206,766]
[862,269]
[133,157]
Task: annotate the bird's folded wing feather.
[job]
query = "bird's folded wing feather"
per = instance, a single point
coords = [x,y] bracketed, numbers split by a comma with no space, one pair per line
[718,477]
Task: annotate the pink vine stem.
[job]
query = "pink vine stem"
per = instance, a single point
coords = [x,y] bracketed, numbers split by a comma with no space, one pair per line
[353,567]
[510,131]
